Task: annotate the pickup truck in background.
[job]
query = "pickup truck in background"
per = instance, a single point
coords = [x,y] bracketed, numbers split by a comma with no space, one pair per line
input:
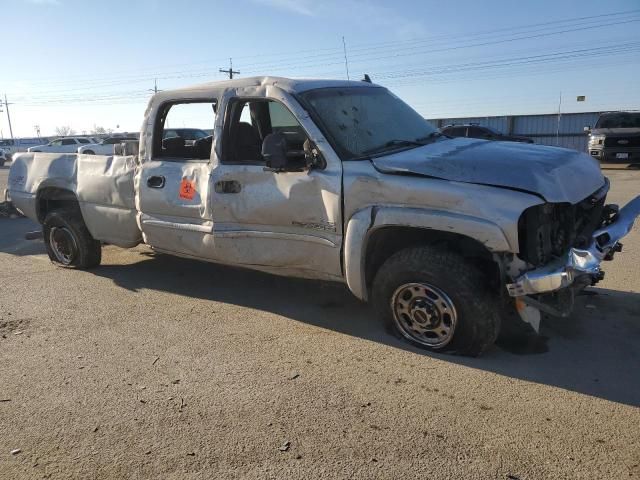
[448,238]
[616,138]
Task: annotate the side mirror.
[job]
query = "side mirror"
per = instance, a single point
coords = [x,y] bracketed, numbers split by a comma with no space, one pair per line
[587,129]
[274,152]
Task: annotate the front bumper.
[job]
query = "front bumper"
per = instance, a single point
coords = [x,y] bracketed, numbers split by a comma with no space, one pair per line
[578,263]
[610,154]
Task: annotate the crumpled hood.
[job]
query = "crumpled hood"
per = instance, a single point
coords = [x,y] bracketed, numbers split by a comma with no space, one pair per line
[557,174]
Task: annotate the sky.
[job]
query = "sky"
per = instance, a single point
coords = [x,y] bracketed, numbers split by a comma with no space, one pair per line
[84,63]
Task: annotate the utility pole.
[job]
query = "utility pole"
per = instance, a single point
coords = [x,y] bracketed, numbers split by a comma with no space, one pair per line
[231,71]
[6,105]
[155,87]
[346,61]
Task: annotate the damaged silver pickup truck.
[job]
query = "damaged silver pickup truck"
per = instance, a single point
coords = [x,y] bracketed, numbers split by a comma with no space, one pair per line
[335,180]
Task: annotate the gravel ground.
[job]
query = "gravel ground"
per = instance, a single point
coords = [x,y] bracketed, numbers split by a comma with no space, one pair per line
[158,367]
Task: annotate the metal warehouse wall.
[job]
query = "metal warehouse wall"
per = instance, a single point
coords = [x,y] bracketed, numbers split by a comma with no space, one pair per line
[541,128]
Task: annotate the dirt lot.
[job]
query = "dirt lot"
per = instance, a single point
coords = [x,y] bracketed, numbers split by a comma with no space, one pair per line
[158,367]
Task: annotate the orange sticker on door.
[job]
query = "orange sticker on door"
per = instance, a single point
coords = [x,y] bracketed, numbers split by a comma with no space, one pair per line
[187,189]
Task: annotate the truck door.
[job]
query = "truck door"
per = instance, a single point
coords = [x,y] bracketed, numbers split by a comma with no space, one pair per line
[286,222]
[172,182]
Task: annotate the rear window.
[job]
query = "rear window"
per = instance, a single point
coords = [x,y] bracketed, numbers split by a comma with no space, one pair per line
[83,140]
[456,131]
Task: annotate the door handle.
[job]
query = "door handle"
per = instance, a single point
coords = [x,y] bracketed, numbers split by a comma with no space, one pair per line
[227,186]
[156,181]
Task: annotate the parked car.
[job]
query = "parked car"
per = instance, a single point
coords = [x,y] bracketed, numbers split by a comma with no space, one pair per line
[15,145]
[105,147]
[4,157]
[471,130]
[189,134]
[616,138]
[448,238]
[62,145]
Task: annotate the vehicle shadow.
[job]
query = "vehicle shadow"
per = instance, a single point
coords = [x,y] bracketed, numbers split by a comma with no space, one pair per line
[595,352]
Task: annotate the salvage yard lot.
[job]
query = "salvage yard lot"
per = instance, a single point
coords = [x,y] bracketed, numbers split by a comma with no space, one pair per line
[158,367]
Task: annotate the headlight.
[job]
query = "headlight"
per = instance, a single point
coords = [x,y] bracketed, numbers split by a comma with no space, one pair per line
[596,139]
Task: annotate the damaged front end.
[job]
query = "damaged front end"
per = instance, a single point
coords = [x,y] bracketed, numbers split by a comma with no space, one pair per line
[562,247]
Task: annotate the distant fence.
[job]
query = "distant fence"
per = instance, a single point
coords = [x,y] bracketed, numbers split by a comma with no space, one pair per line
[542,129]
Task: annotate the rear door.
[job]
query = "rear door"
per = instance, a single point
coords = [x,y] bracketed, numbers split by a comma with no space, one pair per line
[172,184]
[68,145]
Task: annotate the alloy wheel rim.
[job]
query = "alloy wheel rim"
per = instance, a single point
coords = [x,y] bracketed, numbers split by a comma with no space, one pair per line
[424,314]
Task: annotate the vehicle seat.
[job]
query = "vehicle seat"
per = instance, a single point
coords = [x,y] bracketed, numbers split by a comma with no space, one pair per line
[173,147]
[248,145]
[202,147]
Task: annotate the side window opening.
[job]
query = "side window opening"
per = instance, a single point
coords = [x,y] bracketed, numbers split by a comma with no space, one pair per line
[247,124]
[184,130]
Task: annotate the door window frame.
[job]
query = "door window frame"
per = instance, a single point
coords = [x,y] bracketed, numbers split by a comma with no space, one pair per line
[226,128]
[158,126]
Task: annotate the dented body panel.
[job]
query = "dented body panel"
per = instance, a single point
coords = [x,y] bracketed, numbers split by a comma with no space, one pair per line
[556,174]
[102,186]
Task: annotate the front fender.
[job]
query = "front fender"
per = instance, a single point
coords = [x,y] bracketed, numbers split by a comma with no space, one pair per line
[366,221]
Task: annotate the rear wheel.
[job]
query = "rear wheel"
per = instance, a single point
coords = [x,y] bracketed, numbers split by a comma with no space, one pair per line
[68,242]
[436,300]
[89,152]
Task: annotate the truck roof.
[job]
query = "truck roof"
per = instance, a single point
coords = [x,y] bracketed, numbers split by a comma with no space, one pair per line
[288,84]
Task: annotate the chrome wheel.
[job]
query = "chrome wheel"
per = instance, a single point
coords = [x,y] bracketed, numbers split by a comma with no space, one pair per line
[424,314]
[63,244]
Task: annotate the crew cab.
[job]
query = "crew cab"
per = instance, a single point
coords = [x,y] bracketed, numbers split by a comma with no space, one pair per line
[62,145]
[616,138]
[105,147]
[447,238]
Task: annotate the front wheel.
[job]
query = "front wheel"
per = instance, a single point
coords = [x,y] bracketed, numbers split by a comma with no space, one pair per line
[68,242]
[436,300]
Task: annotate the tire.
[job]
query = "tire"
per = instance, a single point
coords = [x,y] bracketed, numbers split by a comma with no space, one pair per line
[436,300]
[89,152]
[69,243]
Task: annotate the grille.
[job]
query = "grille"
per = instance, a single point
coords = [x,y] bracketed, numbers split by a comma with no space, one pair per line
[547,231]
[614,142]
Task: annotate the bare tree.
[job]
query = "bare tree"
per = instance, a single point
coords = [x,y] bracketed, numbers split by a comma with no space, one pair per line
[65,131]
[98,130]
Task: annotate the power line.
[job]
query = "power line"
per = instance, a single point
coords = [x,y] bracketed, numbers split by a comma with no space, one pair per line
[361,52]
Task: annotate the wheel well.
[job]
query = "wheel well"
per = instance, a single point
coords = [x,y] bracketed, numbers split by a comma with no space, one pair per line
[54,198]
[386,241]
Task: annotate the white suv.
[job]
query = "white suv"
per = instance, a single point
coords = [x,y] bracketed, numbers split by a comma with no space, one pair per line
[62,145]
[106,146]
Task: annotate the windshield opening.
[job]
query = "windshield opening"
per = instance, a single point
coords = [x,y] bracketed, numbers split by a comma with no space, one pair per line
[360,121]
[619,120]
